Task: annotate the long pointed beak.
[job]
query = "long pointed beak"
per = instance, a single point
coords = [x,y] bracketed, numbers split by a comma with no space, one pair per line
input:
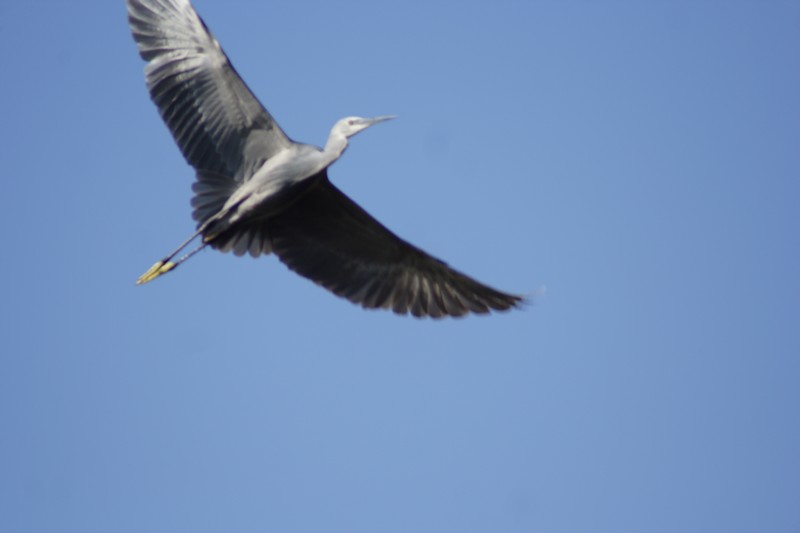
[376,120]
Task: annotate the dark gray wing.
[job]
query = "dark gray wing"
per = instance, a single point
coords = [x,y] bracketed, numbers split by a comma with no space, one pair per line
[329,239]
[217,122]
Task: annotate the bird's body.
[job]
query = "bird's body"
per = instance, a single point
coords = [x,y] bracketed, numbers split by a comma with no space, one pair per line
[259,192]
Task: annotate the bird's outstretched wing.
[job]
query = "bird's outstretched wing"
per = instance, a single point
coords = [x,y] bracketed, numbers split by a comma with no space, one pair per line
[328,238]
[218,123]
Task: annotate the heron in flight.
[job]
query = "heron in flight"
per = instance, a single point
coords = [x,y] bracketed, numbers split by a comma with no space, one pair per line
[259,192]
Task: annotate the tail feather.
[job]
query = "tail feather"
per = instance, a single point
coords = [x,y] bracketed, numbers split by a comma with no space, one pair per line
[211,191]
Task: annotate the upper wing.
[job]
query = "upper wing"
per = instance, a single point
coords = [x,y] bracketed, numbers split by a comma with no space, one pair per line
[329,239]
[217,122]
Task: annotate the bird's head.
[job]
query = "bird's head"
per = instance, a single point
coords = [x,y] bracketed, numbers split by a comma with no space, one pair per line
[349,126]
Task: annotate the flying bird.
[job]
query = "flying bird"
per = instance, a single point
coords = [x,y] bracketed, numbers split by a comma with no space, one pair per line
[259,192]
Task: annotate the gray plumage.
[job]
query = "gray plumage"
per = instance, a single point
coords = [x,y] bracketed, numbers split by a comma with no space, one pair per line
[259,192]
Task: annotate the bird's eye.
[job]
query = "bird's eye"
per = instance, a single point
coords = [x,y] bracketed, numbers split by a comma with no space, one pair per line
[351,122]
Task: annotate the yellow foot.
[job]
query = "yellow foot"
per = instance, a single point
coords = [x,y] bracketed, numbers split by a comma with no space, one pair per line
[156,270]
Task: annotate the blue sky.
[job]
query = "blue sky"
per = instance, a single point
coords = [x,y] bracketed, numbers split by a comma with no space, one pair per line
[639,159]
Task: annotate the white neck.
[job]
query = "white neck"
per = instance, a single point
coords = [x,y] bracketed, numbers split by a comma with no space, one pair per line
[335,147]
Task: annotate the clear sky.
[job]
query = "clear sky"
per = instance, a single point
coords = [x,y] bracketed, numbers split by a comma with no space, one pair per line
[640,160]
